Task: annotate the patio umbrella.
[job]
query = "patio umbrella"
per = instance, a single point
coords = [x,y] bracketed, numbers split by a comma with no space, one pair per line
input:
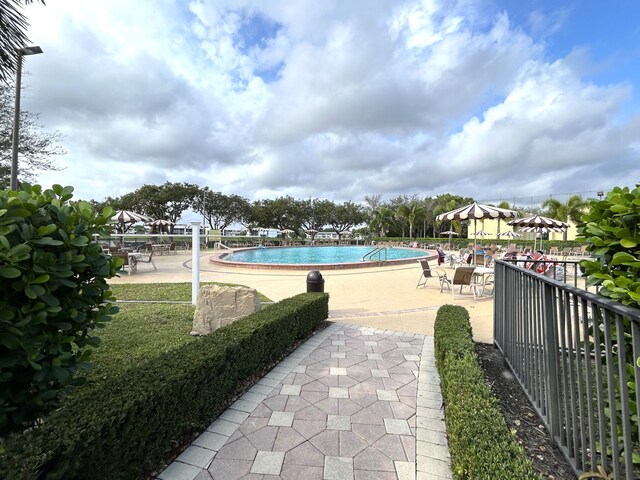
[122,217]
[160,223]
[510,234]
[476,211]
[449,232]
[539,224]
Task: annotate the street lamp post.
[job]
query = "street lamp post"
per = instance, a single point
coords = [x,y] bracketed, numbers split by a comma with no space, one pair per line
[16,118]
[600,194]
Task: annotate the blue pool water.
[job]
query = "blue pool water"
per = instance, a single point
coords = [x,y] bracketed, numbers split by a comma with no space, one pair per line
[317,255]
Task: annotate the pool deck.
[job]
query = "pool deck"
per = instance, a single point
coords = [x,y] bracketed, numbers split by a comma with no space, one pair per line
[377,297]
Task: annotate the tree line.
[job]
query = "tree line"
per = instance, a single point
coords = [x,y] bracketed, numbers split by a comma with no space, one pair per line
[406,216]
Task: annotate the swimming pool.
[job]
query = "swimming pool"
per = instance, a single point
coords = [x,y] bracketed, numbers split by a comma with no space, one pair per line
[325,257]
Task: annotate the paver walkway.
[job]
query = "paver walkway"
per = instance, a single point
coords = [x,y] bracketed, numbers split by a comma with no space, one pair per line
[350,403]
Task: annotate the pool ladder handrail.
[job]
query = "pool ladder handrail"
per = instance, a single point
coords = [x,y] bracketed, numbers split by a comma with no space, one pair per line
[377,250]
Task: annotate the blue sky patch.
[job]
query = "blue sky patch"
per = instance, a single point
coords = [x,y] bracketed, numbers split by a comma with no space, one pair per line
[255,31]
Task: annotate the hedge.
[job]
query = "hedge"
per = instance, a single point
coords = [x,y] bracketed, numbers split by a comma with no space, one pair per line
[480,443]
[130,425]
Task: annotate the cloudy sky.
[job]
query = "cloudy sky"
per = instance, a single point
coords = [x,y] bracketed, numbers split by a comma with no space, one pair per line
[340,99]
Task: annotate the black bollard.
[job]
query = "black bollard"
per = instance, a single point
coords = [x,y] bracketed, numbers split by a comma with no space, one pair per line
[315,282]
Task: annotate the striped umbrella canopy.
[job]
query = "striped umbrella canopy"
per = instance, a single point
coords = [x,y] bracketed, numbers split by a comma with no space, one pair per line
[482,233]
[538,223]
[510,234]
[127,216]
[161,224]
[477,211]
[122,217]
[541,229]
[449,232]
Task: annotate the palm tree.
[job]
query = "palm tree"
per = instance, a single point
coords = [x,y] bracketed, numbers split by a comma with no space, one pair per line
[13,25]
[570,211]
[382,220]
[411,213]
[455,225]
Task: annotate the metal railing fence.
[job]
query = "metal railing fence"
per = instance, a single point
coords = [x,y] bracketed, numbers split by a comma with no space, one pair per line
[575,355]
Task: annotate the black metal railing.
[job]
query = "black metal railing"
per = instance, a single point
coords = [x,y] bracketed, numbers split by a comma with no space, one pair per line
[576,356]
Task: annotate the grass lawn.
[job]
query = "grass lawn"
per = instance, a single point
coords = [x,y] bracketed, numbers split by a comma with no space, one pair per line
[176,292]
[140,331]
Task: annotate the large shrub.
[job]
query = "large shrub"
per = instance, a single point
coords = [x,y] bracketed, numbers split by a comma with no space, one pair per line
[612,231]
[53,294]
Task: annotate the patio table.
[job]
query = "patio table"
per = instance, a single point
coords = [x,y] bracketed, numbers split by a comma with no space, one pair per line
[161,248]
[480,275]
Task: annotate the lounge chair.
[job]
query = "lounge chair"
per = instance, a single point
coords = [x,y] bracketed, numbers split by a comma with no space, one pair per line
[462,276]
[426,273]
[476,259]
[147,258]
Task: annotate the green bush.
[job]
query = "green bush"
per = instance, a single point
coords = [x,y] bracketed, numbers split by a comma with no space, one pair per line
[611,229]
[54,293]
[480,444]
[126,428]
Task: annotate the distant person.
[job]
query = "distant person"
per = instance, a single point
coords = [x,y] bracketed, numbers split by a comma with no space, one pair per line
[441,254]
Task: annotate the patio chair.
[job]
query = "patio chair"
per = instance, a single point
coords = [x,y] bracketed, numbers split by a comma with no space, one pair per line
[554,251]
[566,252]
[582,252]
[172,248]
[463,276]
[426,273]
[488,284]
[130,263]
[148,258]
[442,276]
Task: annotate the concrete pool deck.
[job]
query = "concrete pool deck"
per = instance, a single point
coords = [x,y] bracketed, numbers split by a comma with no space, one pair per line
[379,297]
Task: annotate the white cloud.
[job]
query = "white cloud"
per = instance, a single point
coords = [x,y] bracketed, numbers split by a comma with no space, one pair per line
[324,99]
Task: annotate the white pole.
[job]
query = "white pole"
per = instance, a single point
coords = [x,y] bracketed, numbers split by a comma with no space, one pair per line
[195,261]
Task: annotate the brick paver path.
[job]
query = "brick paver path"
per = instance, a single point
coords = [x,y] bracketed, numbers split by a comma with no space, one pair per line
[351,403]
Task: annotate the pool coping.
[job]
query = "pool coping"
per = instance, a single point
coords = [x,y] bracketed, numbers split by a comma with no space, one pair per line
[218,259]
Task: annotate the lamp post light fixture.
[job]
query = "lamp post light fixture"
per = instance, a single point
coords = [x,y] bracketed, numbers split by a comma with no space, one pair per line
[16,119]
[600,193]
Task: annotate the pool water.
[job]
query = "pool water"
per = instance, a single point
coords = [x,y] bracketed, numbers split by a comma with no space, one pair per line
[318,255]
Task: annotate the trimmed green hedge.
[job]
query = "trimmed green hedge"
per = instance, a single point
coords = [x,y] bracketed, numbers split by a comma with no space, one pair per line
[480,444]
[129,426]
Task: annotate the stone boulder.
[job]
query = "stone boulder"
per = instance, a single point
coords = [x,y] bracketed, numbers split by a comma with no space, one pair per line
[219,305]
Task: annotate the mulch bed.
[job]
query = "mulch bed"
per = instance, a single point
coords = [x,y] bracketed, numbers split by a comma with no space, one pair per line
[520,416]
